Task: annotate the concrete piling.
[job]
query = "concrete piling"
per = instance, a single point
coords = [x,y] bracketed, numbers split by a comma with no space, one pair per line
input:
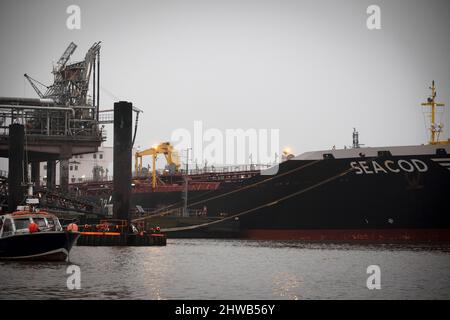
[123,120]
[15,166]
[51,174]
[64,175]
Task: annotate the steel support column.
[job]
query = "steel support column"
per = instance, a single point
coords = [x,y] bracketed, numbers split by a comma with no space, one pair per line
[15,166]
[51,174]
[123,119]
[64,175]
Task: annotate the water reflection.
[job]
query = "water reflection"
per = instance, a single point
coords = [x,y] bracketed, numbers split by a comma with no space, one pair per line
[286,286]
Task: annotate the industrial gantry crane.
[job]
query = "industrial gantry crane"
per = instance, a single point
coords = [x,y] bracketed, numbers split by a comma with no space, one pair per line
[165,148]
[71,81]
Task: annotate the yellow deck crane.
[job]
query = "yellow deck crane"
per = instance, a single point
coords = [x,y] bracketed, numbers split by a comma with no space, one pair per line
[165,148]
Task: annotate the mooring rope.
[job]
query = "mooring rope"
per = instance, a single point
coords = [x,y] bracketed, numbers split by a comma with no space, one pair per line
[156,214]
[269,204]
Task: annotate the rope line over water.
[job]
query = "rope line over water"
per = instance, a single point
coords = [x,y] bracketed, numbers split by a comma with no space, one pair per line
[269,204]
[155,213]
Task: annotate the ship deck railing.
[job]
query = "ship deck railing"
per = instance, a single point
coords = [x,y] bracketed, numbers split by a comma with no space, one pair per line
[235,169]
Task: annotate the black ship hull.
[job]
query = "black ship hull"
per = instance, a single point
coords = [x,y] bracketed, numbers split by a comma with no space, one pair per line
[374,195]
[42,246]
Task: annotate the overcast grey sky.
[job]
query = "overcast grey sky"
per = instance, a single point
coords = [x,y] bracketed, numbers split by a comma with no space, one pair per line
[309,68]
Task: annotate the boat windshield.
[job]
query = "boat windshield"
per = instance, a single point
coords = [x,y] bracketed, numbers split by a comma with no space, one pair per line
[21,224]
[53,224]
[40,222]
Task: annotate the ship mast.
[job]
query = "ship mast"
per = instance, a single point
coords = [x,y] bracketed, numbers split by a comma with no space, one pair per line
[434,129]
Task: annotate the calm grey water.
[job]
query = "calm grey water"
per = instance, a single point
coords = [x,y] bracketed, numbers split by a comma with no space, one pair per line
[235,269]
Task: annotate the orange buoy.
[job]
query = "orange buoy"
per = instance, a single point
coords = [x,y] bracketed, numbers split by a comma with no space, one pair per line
[72,227]
[33,227]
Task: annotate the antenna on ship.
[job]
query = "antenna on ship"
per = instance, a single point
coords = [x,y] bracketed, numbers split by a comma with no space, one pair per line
[434,128]
[356,143]
[355,139]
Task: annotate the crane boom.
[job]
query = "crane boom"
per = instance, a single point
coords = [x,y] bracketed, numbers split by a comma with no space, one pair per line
[32,82]
[66,55]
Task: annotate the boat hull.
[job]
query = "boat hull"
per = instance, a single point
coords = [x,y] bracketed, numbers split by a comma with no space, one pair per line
[42,246]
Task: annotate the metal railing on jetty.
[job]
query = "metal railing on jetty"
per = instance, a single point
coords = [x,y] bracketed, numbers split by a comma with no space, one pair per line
[56,121]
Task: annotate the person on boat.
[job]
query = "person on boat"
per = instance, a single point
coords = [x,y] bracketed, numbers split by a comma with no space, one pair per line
[33,227]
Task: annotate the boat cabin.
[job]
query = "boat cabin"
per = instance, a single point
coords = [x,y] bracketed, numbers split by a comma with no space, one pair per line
[19,221]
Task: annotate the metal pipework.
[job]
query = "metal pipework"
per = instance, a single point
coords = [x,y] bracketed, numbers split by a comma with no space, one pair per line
[30,107]
[27,101]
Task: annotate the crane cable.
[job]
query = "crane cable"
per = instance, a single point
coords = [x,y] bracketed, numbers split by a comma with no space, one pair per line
[155,213]
[269,204]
